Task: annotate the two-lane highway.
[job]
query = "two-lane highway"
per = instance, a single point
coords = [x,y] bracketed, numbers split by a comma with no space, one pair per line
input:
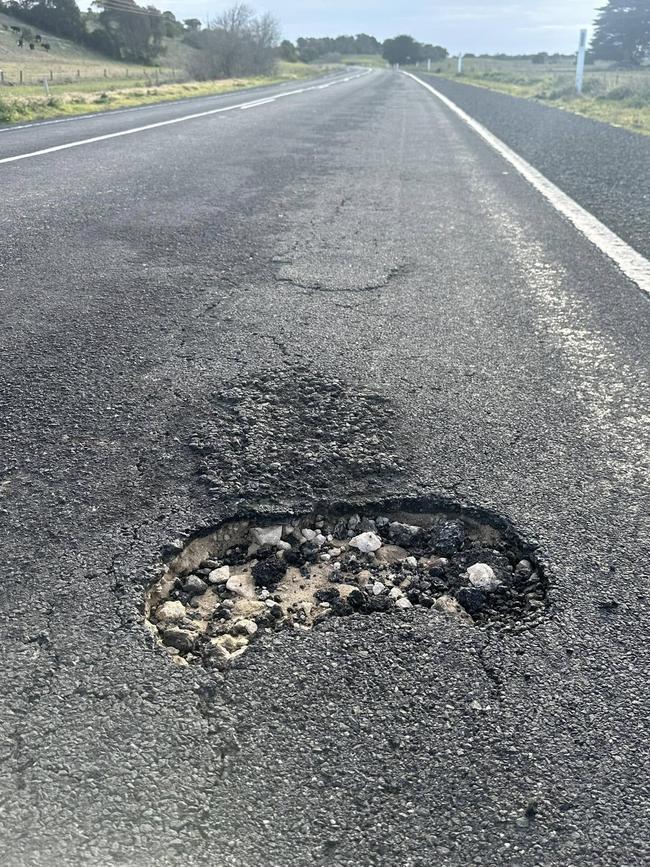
[359,241]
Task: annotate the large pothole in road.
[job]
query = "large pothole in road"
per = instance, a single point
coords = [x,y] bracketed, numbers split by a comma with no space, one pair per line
[226,588]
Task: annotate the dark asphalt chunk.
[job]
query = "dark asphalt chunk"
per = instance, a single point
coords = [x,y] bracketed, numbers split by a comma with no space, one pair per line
[139,277]
[604,168]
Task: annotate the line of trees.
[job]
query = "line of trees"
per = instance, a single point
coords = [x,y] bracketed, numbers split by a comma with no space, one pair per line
[308,49]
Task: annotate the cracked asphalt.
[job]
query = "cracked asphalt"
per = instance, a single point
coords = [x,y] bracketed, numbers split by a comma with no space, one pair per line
[411,319]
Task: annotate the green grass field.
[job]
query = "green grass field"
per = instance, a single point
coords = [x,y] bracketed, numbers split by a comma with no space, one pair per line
[619,97]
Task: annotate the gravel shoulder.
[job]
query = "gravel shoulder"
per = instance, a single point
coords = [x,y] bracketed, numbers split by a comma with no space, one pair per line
[604,168]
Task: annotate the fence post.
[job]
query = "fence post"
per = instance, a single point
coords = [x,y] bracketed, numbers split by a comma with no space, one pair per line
[2,76]
[45,85]
[21,76]
[580,66]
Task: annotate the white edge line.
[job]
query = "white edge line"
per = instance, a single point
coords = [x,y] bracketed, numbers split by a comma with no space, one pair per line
[134,108]
[169,122]
[632,264]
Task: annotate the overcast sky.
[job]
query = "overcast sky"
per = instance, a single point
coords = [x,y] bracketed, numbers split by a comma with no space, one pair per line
[512,26]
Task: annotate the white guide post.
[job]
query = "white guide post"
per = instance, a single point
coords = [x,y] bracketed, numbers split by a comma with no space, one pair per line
[580,67]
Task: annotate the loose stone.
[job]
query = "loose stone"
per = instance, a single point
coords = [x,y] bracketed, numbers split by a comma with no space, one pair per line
[170,612]
[482,576]
[194,585]
[220,575]
[366,542]
[242,585]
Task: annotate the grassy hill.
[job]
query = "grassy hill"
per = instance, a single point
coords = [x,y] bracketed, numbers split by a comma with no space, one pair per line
[64,61]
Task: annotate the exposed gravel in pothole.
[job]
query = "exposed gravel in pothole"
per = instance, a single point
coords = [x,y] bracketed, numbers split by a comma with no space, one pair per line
[225,589]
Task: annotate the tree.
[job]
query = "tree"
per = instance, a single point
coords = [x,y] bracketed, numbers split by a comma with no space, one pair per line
[237,43]
[287,51]
[623,32]
[61,17]
[192,24]
[402,49]
[171,26]
[433,52]
[134,32]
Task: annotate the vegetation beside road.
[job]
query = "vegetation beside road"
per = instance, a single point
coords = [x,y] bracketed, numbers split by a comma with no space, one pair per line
[31,103]
[617,96]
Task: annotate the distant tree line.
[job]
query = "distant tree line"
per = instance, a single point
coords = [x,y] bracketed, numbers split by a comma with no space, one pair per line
[402,49]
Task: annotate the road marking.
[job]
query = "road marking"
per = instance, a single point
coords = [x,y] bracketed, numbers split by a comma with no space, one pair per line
[635,266]
[149,106]
[160,123]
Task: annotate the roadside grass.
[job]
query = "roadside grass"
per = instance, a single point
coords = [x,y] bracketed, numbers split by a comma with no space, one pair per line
[617,97]
[31,103]
[374,60]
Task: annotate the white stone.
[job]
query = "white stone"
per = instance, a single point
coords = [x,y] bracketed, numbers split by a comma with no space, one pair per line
[335,552]
[366,542]
[482,576]
[319,539]
[325,557]
[308,534]
[403,602]
[267,535]
[283,546]
[378,588]
[220,575]
[171,612]
[411,562]
[242,585]
[395,593]
[249,625]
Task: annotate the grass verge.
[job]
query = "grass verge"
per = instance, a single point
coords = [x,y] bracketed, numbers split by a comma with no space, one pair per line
[31,103]
[618,98]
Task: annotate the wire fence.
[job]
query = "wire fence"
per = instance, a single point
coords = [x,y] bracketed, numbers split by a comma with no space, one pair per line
[15,75]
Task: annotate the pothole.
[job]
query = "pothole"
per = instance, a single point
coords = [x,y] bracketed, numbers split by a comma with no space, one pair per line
[226,588]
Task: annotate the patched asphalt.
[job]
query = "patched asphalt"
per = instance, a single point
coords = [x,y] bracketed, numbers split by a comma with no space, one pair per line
[358,242]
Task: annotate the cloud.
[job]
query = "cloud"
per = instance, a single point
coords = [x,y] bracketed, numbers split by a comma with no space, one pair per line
[487,26]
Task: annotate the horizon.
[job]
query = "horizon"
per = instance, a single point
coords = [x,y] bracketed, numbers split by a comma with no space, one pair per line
[464,25]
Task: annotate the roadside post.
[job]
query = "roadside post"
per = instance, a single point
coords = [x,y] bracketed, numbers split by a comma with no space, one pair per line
[460,62]
[428,64]
[580,67]
[46,86]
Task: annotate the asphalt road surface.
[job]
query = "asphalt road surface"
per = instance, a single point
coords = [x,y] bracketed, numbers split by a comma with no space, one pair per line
[360,241]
